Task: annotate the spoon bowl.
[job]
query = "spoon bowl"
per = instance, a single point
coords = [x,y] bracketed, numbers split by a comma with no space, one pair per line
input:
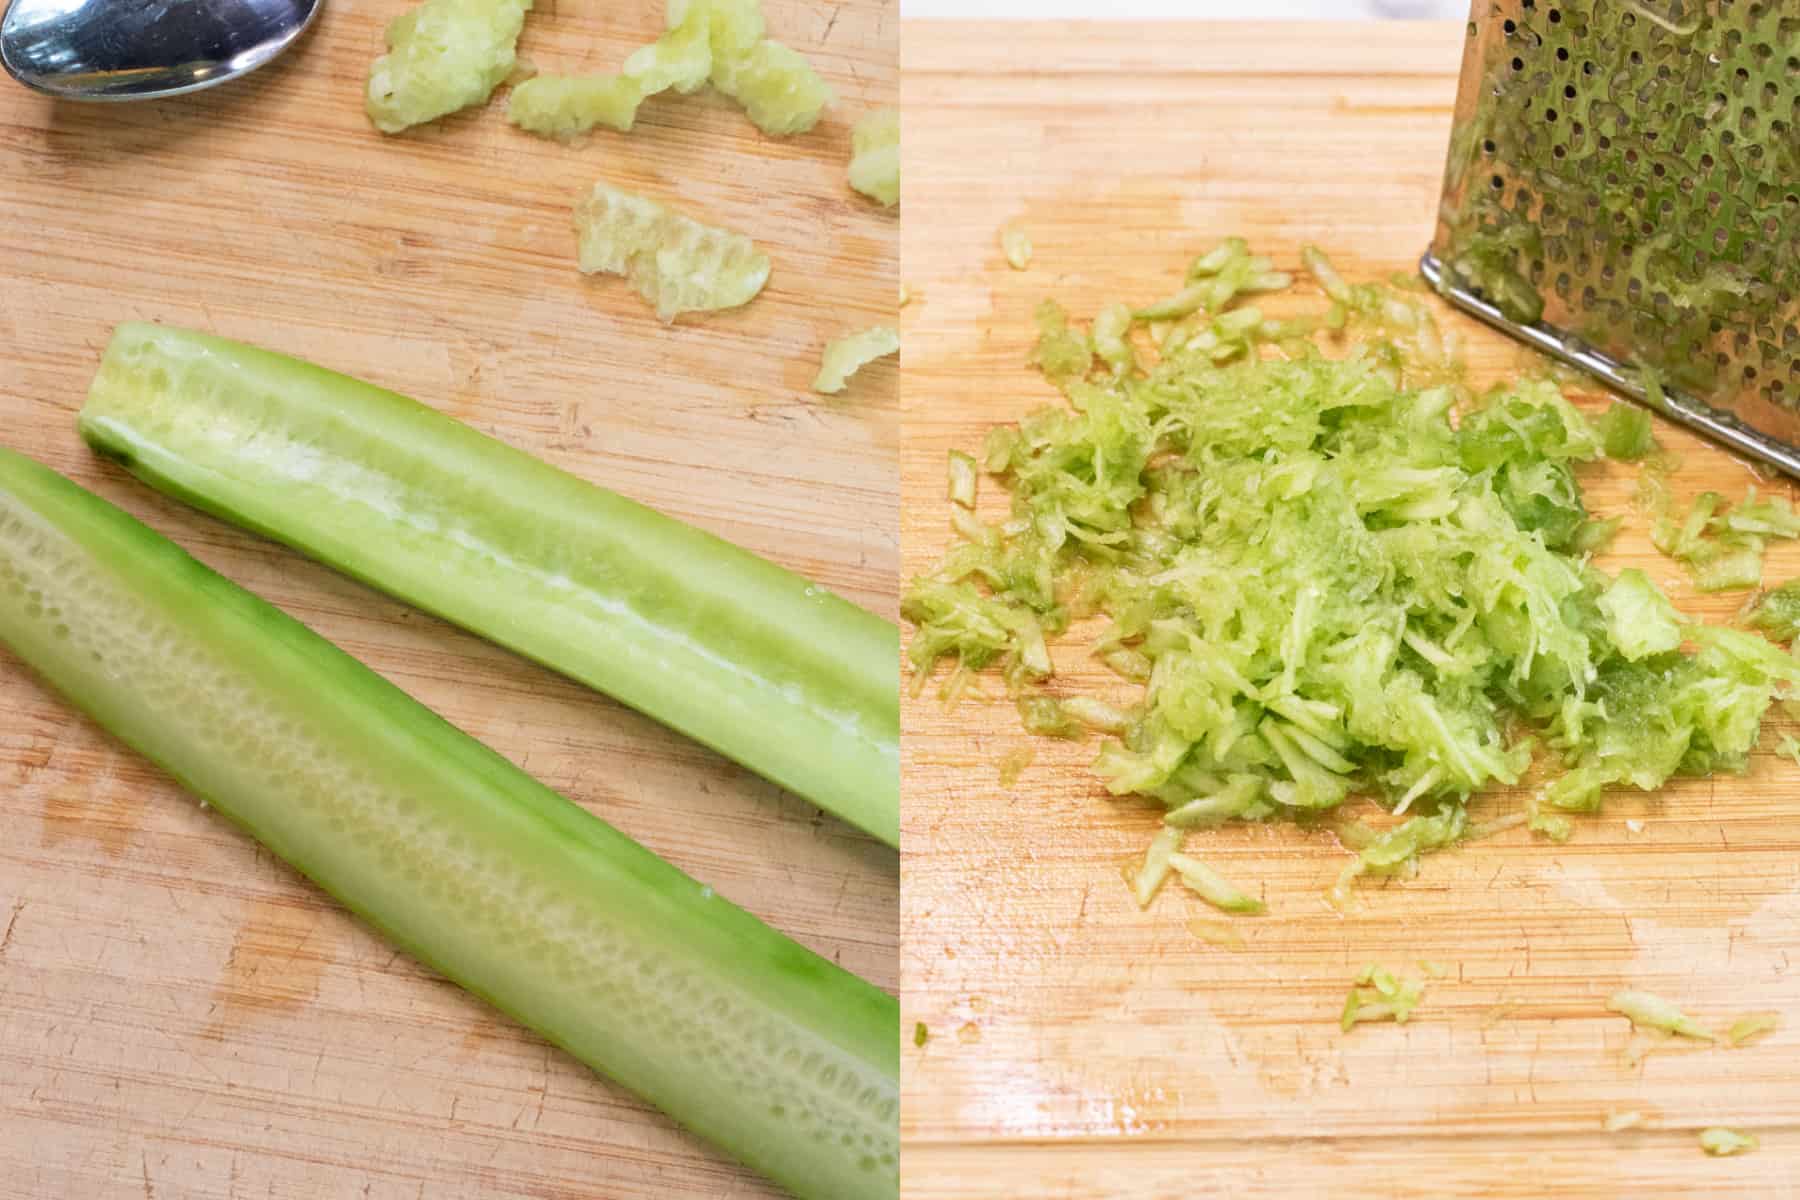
[140,49]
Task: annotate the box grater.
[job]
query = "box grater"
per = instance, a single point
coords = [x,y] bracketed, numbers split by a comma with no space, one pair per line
[1623,192]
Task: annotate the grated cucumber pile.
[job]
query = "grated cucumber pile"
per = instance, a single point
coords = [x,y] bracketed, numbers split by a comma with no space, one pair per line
[1330,569]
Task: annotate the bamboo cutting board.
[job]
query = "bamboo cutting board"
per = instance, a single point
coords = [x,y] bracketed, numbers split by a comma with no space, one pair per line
[180,1016]
[1080,1049]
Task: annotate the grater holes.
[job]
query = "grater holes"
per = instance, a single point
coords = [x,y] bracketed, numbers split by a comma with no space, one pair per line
[1625,108]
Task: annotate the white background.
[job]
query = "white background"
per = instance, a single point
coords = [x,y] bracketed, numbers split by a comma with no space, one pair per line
[1191,10]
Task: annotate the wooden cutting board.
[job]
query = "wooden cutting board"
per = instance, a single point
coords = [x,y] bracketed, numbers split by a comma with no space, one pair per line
[1081,1049]
[180,1016]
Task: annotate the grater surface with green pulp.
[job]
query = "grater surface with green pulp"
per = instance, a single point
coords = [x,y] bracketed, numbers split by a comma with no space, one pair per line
[1623,190]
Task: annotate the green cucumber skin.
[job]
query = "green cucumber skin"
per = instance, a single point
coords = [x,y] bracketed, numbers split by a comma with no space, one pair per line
[504,886]
[786,678]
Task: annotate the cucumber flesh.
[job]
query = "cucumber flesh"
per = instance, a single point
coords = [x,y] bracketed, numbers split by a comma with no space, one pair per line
[779,1057]
[777,673]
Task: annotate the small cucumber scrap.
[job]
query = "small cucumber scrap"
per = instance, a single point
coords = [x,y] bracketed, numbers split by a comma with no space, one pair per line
[847,355]
[875,156]
[1380,995]
[443,56]
[708,41]
[674,262]
[1015,245]
[565,106]
[702,35]
[775,1055]
[1647,1010]
[681,58]
[776,672]
[777,88]
[1720,1142]
[1777,612]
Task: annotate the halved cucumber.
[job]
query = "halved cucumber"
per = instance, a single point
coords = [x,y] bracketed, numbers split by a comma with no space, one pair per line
[778,673]
[779,1057]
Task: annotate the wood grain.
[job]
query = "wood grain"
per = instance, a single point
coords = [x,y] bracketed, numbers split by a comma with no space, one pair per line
[1081,1049]
[180,1016]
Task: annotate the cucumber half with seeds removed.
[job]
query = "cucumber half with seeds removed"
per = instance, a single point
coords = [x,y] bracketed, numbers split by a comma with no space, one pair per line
[779,1057]
[777,673]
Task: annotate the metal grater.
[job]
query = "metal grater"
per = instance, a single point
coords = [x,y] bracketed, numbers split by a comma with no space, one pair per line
[1623,192]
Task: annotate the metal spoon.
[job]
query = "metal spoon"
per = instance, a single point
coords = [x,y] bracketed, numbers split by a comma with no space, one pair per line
[139,49]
